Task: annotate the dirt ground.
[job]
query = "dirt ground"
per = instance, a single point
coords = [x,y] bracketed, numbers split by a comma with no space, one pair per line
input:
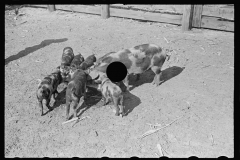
[198,87]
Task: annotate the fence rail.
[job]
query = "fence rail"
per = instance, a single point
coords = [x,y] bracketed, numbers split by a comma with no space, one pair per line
[197,16]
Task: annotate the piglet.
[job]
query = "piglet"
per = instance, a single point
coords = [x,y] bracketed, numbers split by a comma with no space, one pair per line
[113,92]
[77,61]
[67,58]
[88,62]
[76,90]
[47,88]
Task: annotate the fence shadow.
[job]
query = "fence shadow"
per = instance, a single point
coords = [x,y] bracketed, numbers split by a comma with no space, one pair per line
[29,50]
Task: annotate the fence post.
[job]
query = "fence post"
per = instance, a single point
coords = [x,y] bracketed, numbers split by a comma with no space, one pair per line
[51,8]
[105,11]
[187,17]
[197,15]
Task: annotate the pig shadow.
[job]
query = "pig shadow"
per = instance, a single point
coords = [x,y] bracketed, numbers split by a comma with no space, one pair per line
[130,102]
[29,50]
[148,76]
[93,97]
[60,99]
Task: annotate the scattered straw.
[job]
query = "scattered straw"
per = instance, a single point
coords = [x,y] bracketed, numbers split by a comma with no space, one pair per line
[155,130]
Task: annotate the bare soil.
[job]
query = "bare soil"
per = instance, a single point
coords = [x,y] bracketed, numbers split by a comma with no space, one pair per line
[198,87]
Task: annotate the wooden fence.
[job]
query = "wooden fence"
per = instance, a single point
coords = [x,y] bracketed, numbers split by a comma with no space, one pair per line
[220,17]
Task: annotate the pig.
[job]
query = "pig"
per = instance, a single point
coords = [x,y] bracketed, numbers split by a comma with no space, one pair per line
[111,91]
[88,62]
[48,88]
[137,60]
[77,61]
[67,58]
[76,90]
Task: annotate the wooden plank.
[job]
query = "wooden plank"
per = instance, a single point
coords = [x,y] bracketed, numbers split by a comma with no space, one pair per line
[171,8]
[81,8]
[217,23]
[161,8]
[226,12]
[51,8]
[187,17]
[177,9]
[197,15]
[125,13]
[158,17]
[40,6]
[105,12]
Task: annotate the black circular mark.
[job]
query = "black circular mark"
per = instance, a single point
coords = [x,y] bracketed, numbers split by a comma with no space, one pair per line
[116,71]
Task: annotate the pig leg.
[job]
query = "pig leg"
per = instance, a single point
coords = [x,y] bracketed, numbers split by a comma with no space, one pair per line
[85,93]
[105,101]
[157,71]
[159,79]
[80,103]
[121,105]
[126,82]
[47,103]
[75,106]
[55,93]
[115,101]
[41,107]
[67,110]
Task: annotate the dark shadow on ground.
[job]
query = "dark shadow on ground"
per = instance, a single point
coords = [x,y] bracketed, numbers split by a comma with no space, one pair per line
[171,72]
[130,102]
[93,97]
[60,99]
[147,77]
[29,50]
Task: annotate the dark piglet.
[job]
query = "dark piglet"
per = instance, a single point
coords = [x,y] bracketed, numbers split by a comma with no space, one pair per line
[76,90]
[67,58]
[47,88]
[77,61]
[88,62]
